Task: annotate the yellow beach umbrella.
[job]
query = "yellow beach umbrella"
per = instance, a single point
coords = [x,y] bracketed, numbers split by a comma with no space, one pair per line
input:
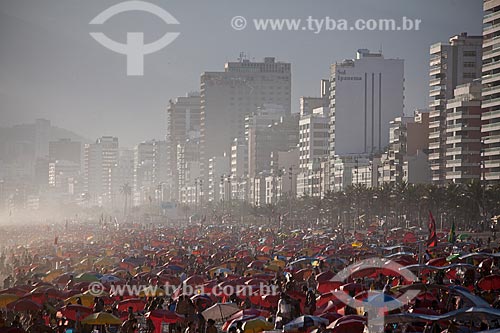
[6,299]
[256,325]
[87,300]
[51,275]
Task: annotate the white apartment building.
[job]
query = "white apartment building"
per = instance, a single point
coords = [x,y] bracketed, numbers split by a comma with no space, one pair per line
[365,94]
[451,64]
[313,149]
[490,116]
[99,158]
[463,134]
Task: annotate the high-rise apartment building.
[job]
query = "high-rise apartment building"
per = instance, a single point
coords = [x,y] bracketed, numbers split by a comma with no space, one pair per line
[490,116]
[313,150]
[408,136]
[365,94]
[226,97]
[65,150]
[99,159]
[463,133]
[451,64]
[183,128]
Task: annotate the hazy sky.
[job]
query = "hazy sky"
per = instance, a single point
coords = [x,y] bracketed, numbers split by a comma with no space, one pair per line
[51,68]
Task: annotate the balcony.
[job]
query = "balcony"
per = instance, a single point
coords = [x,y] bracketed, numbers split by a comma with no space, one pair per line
[492,163]
[436,102]
[490,78]
[491,151]
[490,139]
[495,51]
[435,82]
[491,90]
[490,115]
[489,28]
[490,127]
[453,163]
[434,135]
[434,156]
[434,113]
[491,41]
[491,102]
[434,124]
[491,66]
[492,176]
[434,145]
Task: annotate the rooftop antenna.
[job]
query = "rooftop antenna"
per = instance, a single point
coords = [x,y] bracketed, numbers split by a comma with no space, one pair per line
[242,57]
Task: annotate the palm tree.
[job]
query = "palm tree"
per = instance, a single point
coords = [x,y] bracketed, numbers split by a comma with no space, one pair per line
[126,191]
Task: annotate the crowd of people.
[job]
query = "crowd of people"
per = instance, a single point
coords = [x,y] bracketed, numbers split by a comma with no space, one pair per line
[133,277]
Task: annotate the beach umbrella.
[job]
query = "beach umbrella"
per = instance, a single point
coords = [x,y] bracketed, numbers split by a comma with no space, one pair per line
[87,299]
[380,301]
[109,279]
[328,286]
[350,326]
[169,317]
[256,325]
[87,277]
[194,280]
[222,270]
[24,305]
[220,311]
[6,299]
[463,237]
[51,275]
[101,318]
[304,322]
[202,300]
[325,276]
[269,301]
[76,312]
[244,315]
[490,282]
[452,257]
[136,304]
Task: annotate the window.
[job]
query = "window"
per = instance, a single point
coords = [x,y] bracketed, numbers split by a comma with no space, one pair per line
[469,53]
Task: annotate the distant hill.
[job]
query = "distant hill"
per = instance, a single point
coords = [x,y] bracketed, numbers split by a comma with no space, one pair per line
[19,140]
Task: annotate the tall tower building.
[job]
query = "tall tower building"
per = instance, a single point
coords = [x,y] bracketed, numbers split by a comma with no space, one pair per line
[100,157]
[183,125]
[226,97]
[490,116]
[463,133]
[451,64]
[366,93]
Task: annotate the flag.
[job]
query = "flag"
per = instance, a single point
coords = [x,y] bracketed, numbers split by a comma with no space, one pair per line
[432,240]
[451,235]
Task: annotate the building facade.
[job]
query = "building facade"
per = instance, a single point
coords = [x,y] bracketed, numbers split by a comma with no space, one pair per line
[226,97]
[490,116]
[451,64]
